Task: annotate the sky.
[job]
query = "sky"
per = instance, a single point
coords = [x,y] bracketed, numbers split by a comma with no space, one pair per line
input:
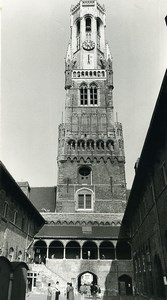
[35,35]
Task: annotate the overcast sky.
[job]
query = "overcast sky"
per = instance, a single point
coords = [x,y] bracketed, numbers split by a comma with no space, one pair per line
[35,36]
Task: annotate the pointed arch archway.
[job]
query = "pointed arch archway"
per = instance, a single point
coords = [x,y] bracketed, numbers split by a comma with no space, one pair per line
[87,278]
[125,285]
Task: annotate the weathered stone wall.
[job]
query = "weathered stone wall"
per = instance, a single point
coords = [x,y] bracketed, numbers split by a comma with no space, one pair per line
[107,272]
[108,196]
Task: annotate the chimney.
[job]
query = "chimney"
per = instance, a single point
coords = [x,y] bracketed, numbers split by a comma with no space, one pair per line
[136,164]
[24,185]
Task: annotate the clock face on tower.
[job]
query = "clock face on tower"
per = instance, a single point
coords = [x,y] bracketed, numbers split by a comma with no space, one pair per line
[88,45]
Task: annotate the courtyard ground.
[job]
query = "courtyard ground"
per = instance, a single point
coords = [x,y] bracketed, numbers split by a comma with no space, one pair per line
[31,296]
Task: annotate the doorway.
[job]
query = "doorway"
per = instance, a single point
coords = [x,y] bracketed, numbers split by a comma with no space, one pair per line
[125,285]
[87,278]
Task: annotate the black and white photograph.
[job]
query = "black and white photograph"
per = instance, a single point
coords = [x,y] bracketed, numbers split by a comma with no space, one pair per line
[83,150]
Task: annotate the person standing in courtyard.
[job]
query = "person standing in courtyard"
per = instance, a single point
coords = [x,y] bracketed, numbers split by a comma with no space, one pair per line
[57,291]
[71,292]
[49,292]
[82,291]
[67,290]
[94,291]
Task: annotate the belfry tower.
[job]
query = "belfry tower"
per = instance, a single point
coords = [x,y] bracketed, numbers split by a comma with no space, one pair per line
[81,239]
[91,175]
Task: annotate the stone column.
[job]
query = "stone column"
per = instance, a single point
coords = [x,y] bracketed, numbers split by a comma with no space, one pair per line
[47,252]
[80,252]
[64,253]
[98,252]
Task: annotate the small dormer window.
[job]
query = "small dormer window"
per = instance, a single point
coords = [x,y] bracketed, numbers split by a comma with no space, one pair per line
[88,24]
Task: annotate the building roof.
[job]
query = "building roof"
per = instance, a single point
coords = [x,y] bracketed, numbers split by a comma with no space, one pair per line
[81,232]
[113,219]
[43,198]
[155,140]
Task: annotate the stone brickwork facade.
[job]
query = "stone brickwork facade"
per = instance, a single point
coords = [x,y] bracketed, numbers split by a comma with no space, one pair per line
[19,220]
[90,141]
[145,216]
[81,236]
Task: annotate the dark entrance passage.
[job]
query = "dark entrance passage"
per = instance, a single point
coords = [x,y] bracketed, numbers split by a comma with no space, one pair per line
[125,285]
[87,278]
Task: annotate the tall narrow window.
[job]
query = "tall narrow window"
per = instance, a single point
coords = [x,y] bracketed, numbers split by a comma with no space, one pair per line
[15,217]
[93,94]
[78,28]
[83,95]
[5,210]
[88,24]
[98,33]
[80,201]
[78,35]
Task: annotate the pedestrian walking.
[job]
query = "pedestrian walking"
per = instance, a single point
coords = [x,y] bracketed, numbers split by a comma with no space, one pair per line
[88,290]
[82,291]
[49,292]
[71,292]
[57,291]
[67,290]
[94,290]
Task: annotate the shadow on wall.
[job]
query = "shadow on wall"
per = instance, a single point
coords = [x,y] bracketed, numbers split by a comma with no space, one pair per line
[118,283]
[13,278]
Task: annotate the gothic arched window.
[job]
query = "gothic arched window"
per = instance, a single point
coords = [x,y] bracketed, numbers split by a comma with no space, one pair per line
[83,95]
[71,144]
[93,94]
[100,144]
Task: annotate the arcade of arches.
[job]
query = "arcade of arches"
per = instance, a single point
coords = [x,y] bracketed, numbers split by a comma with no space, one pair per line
[81,250]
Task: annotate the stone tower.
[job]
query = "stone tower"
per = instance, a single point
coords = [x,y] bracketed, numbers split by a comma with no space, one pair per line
[91,174]
[81,237]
